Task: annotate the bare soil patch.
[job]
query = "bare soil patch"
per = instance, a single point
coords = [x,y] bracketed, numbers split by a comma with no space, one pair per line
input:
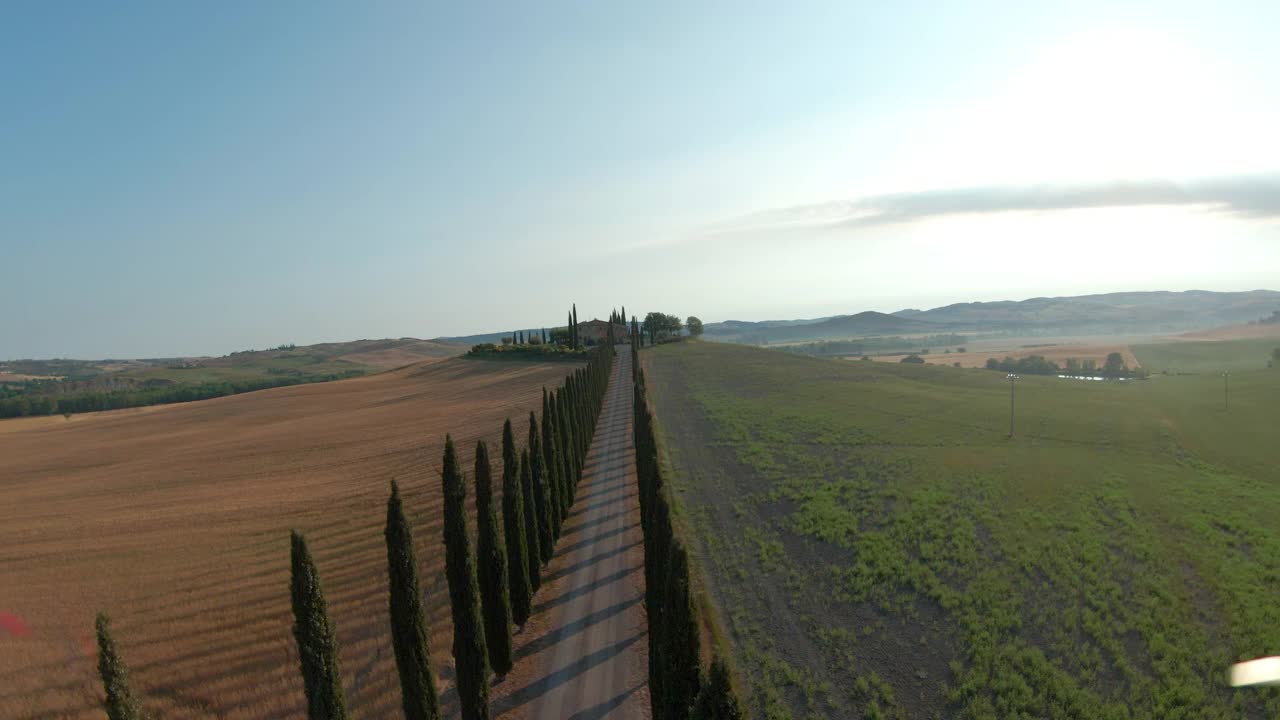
[175,519]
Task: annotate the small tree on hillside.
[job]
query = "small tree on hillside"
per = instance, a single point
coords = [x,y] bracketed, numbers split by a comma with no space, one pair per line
[317,648]
[492,566]
[1114,365]
[915,360]
[409,633]
[469,654]
[119,703]
[694,325]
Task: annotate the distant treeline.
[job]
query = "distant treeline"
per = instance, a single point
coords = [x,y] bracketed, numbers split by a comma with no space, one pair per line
[863,346]
[531,351]
[28,400]
[1113,367]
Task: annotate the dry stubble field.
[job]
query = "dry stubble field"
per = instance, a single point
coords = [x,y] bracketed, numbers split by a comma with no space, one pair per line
[176,520]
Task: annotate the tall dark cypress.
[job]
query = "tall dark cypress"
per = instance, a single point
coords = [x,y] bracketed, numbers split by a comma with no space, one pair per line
[409,634]
[120,703]
[553,468]
[542,481]
[683,644]
[317,648]
[514,530]
[469,654]
[491,565]
[564,402]
[718,699]
[558,430]
[577,339]
[573,335]
[533,557]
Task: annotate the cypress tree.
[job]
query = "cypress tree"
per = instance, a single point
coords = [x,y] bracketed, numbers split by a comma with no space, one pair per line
[542,490]
[469,655]
[563,406]
[409,634]
[565,469]
[317,648]
[573,336]
[552,465]
[577,339]
[120,703]
[718,700]
[491,559]
[533,557]
[683,645]
[513,529]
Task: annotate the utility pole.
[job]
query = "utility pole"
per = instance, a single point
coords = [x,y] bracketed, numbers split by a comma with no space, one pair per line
[1012,378]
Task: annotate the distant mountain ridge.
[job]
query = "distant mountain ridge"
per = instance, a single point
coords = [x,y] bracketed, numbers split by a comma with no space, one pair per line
[1121,312]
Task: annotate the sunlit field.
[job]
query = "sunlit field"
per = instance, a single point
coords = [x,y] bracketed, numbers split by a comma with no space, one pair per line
[176,520]
[877,544]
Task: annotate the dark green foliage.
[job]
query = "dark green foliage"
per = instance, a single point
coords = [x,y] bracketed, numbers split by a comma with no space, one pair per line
[469,653]
[553,466]
[675,671]
[542,483]
[37,401]
[682,644]
[577,339]
[317,648]
[513,526]
[119,703]
[409,633]
[912,359]
[533,557]
[569,473]
[491,558]
[718,699]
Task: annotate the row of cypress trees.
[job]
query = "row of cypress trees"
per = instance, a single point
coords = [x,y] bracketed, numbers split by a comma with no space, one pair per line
[490,589]
[678,688]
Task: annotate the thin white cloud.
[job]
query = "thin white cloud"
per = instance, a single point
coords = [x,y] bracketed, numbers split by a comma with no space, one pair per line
[1252,196]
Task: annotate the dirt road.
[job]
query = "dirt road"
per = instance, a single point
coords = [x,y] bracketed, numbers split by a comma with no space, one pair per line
[583,654]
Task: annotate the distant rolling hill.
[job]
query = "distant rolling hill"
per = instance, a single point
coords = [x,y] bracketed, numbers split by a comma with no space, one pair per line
[1111,313]
[862,324]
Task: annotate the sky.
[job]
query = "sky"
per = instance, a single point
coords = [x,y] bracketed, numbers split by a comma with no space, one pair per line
[198,178]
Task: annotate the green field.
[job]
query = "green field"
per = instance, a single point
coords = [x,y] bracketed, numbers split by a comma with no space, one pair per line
[1206,357]
[878,547]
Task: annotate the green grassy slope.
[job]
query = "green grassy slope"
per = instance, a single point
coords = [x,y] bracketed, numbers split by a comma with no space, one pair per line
[1206,357]
[880,548]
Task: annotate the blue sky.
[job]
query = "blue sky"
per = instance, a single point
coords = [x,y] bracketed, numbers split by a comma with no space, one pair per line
[182,178]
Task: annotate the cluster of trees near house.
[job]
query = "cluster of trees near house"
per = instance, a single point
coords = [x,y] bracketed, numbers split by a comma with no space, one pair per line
[680,685]
[560,343]
[1113,367]
[660,327]
[491,584]
[44,397]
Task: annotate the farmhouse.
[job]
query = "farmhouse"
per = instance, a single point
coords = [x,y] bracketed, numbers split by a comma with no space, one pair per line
[593,332]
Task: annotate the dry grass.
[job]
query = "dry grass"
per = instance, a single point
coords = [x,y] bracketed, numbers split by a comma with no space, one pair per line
[176,519]
[1233,332]
[1056,353]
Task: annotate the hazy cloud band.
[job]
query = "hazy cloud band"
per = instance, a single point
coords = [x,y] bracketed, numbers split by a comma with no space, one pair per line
[1255,196]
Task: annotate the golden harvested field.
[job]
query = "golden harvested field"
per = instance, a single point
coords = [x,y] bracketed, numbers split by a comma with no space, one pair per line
[176,520]
[1056,353]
